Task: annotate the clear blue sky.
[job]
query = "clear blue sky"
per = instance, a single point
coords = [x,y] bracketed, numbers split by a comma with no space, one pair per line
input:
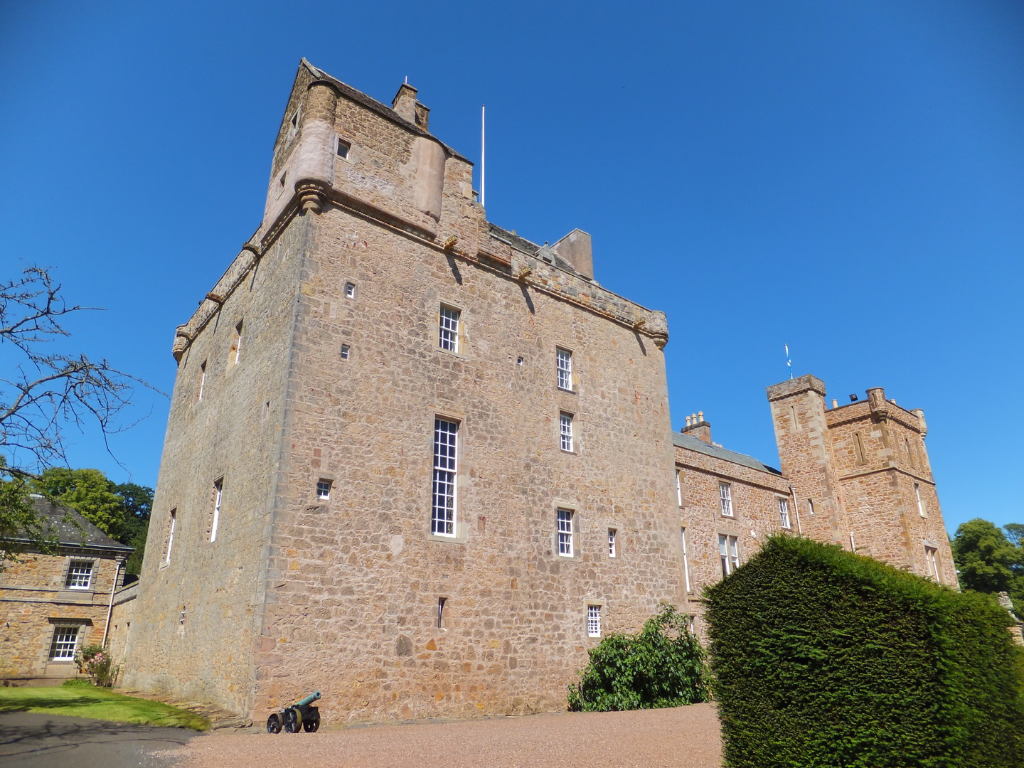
[847,178]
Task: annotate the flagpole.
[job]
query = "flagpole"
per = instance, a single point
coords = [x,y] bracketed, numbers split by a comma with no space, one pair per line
[483,161]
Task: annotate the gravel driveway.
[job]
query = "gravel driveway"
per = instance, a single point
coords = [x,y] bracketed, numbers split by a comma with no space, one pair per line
[686,737]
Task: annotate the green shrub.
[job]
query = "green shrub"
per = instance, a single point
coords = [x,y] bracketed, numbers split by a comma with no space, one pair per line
[826,658]
[663,666]
[95,660]
[77,682]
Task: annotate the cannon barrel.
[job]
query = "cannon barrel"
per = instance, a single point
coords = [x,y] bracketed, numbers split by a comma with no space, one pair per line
[308,700]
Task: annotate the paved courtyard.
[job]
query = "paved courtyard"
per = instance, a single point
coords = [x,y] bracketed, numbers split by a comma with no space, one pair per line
[686,737]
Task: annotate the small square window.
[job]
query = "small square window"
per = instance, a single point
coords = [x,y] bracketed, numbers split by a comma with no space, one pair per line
[323,490]
[448,329]
[593,621]
[343,148]
[346,351]
[565,532]
[64,643]
[79,574]
[611,542]
[566,431]
[563,366]
[350,290]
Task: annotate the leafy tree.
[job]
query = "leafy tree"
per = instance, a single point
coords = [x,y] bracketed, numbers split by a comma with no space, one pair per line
[1015,533]
[137,507]
[984,557]
[663,666]
[88,491]
[42,393]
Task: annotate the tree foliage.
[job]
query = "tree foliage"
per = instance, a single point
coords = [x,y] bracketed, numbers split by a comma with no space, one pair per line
[44,393]
[662,666]
[989,560]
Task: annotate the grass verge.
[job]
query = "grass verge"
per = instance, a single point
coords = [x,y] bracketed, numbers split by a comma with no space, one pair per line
[99,704]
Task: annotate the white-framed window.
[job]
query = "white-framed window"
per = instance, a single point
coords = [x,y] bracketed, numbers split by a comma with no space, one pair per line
[79,574]
[565,426]
[611,542]
[725,497]
[686,559]
[728,551]
[202,379]
[64,642]
[442,511]
[170,535]
[346,352]
[691,624]
[236,345]
[218,497]
[343,148]
[563,367]
[931,555]
[350,290]
[679,487]
[784,513]
[593,621]
[920,501]
[565,517]
[323,490]
[448,329]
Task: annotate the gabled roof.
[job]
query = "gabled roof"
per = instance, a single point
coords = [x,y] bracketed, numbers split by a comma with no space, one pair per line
[71,528]
[375,106]
[691,443]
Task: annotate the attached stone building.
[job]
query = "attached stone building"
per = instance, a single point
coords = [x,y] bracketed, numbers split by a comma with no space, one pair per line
[52,605]
[413,460]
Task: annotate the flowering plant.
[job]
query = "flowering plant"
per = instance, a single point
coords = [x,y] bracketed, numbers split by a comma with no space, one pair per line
[95,660]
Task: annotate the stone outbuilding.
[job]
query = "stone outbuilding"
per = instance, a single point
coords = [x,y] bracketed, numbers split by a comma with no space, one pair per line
[52,605]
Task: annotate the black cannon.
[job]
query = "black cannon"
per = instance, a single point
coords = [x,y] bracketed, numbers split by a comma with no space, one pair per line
[298,716]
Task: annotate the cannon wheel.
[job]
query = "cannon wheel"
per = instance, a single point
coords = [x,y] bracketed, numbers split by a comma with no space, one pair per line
[309,726]
[274,723]
[292,720]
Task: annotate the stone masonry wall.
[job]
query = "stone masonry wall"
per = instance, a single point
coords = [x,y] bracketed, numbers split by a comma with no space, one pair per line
[33,600]
[755,496]
[203,608]
[355,581]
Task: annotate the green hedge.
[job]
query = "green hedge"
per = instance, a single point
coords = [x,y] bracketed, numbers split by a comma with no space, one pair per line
[826,658]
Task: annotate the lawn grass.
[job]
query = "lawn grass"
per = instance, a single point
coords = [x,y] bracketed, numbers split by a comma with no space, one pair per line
[99,704]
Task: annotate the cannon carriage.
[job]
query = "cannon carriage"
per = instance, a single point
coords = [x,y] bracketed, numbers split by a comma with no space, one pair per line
[298,716]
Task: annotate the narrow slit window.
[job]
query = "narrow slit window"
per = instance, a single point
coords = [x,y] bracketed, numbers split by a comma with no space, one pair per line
[218,497]
[346,352]
[858,449]
[679,487]
[784,513]
[350,290]
[565,420]
[593,621]
[202,379]
[323,490]
[236,345]
[448,329]
[170,535]
[686,559]
[563,367]
[440,611]
[725,498]
[920,501]
[810,507]
[565,532]
[611,542]
[442,515]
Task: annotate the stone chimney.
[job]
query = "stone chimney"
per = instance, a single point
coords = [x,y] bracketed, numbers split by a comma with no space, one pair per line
[406,105]
[576,249]
[697,427]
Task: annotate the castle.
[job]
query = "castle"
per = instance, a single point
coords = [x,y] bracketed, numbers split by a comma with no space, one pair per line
[421,464]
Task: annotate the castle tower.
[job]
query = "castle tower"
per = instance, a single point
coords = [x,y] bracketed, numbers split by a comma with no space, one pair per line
[863,473]
[413,460]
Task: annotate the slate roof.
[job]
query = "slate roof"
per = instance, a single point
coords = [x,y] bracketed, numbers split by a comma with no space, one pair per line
[58,519]
[692,443]
[375,106]
[531,249]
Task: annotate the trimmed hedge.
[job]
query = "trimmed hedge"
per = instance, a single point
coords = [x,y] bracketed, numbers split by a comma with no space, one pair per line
[663,666]
[826,658]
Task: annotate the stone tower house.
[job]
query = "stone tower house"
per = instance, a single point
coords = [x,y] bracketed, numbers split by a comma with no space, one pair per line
[413,460]
[862,474]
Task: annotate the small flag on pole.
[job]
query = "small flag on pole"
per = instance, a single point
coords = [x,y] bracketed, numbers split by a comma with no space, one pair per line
[789,363]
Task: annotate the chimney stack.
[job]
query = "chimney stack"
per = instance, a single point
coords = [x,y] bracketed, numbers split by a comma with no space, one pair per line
[697,427]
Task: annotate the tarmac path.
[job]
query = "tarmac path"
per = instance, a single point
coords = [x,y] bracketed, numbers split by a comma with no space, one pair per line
[685,737]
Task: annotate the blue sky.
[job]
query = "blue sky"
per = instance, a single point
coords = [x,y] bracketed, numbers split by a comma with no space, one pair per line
[845,178]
